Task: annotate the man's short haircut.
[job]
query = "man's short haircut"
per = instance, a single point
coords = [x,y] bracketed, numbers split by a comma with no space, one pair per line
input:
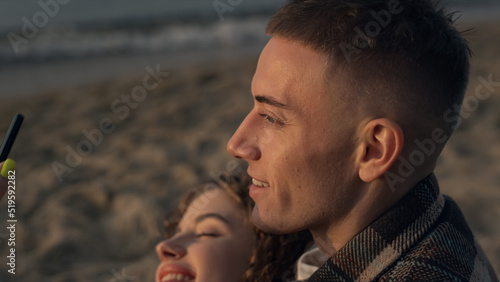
[403,58]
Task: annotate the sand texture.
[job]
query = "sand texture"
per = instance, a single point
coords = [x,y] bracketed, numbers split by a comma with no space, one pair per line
[102,221]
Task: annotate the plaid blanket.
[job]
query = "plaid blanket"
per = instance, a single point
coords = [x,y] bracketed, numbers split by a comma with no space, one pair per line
[424,237]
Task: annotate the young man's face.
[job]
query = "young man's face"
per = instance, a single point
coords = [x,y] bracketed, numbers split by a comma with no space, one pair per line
[298,141]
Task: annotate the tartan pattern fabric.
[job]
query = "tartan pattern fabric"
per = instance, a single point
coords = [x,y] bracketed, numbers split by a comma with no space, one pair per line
[423,237]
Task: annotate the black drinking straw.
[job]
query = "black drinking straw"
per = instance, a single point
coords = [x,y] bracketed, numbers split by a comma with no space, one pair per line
[8,141]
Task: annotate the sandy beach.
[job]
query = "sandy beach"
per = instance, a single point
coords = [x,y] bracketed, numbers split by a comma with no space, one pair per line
[97,172]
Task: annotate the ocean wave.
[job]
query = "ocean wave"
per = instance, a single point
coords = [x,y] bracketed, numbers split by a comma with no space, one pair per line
[70,41]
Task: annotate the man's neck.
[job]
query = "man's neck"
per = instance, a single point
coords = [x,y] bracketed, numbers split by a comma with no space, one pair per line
[376,198]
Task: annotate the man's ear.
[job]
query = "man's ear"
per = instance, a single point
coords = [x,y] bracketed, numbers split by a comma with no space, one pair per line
[381,141]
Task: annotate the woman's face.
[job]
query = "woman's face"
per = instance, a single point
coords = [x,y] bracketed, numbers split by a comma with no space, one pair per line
[213,242]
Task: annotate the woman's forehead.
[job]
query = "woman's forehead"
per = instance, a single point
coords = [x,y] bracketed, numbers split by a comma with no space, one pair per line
[214,201]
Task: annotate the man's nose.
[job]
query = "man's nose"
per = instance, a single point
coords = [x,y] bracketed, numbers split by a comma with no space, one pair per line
[243,143]
[168,249]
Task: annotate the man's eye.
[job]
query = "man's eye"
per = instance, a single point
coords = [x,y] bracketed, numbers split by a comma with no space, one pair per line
[269,119]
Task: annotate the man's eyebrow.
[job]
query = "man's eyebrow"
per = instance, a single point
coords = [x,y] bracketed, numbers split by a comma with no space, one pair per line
[211,215]
[270,101]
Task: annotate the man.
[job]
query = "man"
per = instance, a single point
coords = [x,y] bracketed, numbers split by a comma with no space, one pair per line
[352,108]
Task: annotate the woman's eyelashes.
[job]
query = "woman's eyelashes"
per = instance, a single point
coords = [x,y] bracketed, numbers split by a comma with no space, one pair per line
[208,230]
[207,234]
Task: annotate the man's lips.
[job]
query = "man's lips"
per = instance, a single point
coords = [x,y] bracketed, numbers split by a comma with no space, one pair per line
[173,272]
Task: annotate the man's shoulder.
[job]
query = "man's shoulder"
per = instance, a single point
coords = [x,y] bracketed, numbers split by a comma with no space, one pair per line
[424,237]
[449,252]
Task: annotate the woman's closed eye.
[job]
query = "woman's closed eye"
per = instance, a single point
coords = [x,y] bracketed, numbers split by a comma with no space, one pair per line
[207,234]
[210,225]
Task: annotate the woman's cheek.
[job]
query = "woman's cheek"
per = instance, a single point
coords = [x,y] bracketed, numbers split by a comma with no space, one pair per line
[229,259]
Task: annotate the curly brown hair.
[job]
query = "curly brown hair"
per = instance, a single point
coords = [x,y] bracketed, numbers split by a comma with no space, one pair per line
[273,256]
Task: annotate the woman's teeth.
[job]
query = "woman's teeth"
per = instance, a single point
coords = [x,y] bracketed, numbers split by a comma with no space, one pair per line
[175,277]
[260,184]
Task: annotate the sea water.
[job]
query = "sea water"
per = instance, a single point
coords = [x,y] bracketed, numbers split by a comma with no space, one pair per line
[44,47]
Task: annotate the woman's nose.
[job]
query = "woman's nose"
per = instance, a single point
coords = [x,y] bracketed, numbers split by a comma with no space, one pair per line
[169,250]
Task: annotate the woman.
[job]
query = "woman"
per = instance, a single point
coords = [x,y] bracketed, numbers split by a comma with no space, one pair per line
[211,237]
